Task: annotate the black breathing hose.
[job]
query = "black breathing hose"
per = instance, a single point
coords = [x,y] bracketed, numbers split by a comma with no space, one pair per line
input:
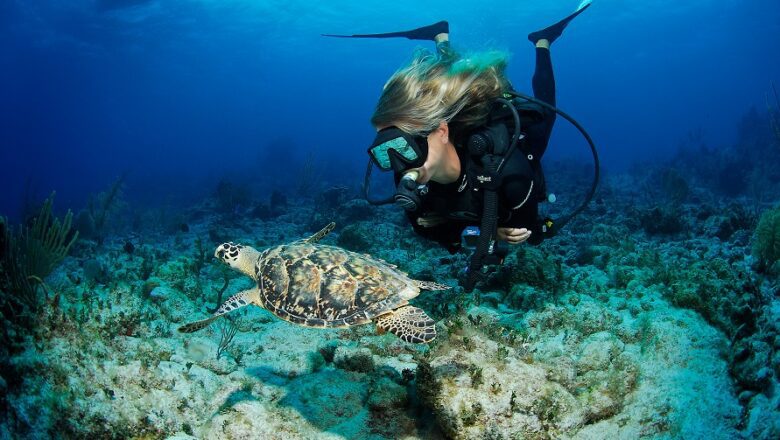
[487,236]
[596,166]
[367,187]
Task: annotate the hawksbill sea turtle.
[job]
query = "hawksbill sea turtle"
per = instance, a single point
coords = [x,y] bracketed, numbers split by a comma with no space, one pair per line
[317,285]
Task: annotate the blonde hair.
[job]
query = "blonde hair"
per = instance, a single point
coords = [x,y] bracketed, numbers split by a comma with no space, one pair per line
[432,89]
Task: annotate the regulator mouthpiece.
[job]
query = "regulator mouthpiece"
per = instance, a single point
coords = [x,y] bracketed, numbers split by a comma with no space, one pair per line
[409,193]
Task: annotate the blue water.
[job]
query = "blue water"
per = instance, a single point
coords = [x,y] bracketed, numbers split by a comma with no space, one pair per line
[178,94]
[655,313]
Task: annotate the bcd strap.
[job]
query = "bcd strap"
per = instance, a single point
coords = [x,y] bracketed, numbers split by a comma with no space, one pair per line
[485,178]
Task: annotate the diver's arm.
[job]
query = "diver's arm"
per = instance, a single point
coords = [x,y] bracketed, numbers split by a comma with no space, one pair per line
[521,187]
[523,227]
[431,221]
[443,231]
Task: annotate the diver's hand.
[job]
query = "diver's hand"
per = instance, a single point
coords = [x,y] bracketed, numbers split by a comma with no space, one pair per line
[513,235]
[431,220]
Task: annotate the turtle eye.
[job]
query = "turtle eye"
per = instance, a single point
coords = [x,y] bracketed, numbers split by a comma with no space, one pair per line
[221,254]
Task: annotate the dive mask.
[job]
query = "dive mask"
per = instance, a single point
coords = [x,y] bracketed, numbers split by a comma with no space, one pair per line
[393,149]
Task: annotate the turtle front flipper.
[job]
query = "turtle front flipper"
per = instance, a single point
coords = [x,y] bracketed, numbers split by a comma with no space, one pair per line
[322,233]
[192,327]
[408,323]
[251,296]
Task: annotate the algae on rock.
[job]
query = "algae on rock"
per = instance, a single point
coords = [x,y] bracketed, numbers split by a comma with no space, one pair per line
[766,242]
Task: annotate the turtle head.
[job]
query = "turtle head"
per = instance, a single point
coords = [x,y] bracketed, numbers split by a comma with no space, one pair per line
[239,257]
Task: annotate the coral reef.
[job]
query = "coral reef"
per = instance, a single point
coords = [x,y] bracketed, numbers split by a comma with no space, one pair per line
[581,368]
[609,330]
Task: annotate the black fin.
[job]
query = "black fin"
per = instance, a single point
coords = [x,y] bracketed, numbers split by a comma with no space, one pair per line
[551,33]
[424,33]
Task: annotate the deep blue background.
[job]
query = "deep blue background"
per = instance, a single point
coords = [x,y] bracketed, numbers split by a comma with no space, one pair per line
[179,93]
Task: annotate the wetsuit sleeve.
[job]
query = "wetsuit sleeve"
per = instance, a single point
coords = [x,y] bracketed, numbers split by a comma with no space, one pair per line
[446,234]
[527,217]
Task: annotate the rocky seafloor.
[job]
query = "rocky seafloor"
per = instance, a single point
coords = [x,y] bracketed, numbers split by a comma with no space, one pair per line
[640,320]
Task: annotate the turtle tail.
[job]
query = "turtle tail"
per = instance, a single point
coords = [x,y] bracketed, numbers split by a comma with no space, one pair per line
[234,302]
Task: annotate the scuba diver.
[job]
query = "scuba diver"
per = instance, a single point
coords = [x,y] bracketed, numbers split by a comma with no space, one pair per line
[466,149]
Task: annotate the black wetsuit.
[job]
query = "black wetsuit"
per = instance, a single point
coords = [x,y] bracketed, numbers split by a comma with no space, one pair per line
[522,180]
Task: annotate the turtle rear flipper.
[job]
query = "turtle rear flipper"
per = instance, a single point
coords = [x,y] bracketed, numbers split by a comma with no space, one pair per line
[237,301]
[430,285]
[408,323]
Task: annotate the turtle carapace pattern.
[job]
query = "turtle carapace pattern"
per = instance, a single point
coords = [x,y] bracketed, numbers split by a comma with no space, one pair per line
[317,285]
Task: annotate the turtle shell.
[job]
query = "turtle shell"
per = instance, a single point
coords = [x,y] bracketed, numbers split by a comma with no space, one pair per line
[326,286]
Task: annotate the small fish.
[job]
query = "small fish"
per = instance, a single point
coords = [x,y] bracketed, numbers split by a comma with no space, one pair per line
[129,247]
[184,227]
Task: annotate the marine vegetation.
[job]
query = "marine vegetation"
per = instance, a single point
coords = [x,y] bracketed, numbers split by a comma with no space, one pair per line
[766,242]
[29,253]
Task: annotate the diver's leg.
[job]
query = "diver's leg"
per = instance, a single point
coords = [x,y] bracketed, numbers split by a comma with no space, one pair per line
[543,81]
[538,134]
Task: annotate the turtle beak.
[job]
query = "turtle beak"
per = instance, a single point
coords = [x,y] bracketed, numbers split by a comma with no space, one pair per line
[220,253]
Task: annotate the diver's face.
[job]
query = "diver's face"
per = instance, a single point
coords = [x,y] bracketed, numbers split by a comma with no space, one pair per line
[442,164]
